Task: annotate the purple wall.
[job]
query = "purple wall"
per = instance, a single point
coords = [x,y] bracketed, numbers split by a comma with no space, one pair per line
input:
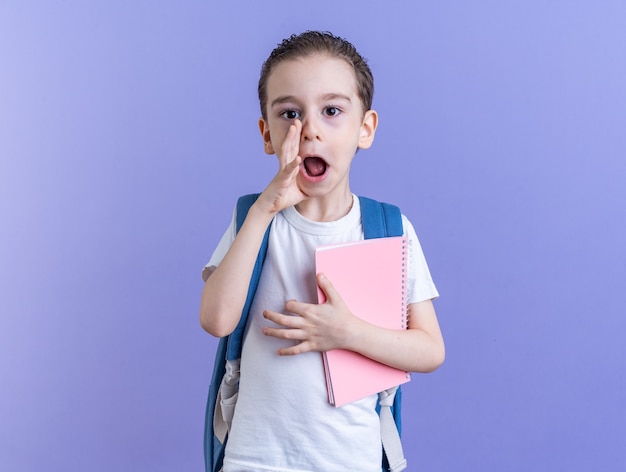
[127,129]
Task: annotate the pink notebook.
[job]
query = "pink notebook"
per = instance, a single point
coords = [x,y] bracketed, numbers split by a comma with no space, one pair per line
[370,277]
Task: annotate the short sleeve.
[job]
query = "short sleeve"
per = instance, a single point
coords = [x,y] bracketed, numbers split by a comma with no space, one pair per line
[222,247]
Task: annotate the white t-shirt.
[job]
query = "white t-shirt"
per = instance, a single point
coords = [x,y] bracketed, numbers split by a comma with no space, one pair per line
[283,420]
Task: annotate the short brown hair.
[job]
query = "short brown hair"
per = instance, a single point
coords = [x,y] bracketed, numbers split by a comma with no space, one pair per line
[319,42]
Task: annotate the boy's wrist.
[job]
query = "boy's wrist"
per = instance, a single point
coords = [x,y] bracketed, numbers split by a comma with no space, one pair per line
[258,212]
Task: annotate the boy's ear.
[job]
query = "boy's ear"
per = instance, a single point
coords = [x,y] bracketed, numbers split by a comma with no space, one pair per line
[265,132]
[368,129]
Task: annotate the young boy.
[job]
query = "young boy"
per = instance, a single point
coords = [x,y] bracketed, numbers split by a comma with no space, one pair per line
[316,94]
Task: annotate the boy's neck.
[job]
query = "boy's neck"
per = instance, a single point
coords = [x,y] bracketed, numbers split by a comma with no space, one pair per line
[325,209]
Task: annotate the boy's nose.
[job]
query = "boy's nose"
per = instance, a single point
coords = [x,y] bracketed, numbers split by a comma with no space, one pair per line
[310,130]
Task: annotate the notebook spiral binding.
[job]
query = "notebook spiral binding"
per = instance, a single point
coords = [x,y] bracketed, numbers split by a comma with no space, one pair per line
[405,305]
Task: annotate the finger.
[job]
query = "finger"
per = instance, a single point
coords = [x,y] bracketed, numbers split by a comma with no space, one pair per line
[291,145]
[279,333]
[283,320]
[327,287]
[296,137]
[292,168]
[287,148]
[299,348]
[297,308]
[290,334]
[294,142]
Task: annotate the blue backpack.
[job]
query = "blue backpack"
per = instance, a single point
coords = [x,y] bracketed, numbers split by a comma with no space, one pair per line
[379,220]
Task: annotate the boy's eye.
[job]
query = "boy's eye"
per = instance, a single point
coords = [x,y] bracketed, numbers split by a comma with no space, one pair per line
[290,114]
[332,111]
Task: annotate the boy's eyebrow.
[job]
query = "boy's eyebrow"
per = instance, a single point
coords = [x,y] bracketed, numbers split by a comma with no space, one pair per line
[336,96]
[328,96]
[282,99]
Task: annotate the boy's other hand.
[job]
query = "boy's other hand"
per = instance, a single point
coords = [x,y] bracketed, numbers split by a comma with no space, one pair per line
[317,327]
[283,191]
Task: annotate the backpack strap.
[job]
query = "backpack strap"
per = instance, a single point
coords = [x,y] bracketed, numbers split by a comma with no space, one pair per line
[385,220]
[380,219]
[389,401]
[233,350]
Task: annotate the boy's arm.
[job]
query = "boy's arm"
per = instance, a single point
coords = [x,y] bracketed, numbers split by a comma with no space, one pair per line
[226,287]
[331,326]
[417,349]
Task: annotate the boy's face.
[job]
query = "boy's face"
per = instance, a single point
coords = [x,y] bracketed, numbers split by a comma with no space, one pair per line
[321,92]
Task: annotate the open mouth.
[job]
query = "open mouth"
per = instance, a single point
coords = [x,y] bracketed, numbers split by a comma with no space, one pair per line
[315,166]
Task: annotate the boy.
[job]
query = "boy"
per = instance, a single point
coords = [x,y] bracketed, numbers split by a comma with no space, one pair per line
[315,92]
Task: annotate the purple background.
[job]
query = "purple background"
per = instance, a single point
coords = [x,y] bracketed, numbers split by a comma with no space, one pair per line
[128,128]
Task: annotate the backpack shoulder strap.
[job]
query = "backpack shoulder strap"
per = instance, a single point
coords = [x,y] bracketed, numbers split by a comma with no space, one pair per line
[235,339]
[380,219]
[244,203]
